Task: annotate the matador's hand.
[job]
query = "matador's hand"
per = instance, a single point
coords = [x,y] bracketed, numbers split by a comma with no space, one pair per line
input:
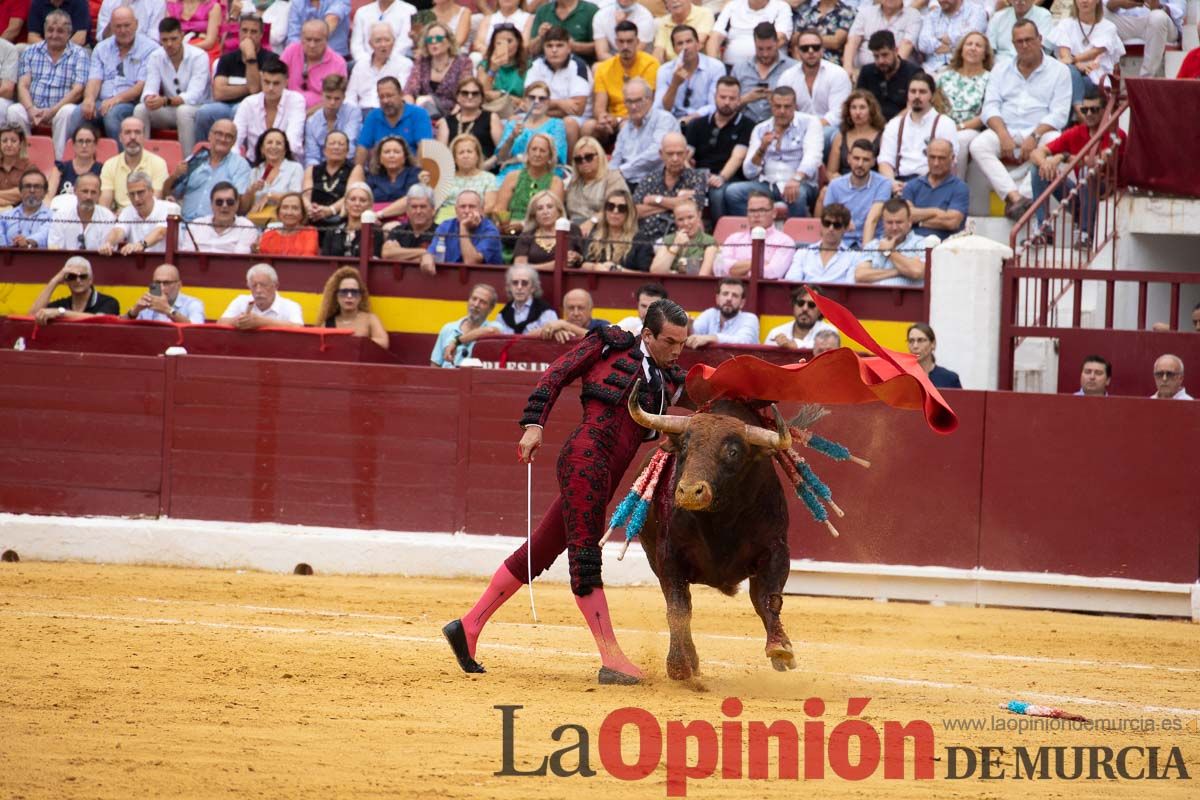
[531,440]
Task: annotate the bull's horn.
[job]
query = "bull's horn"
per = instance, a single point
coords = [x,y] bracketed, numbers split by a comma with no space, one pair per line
[778,439]
[663,423]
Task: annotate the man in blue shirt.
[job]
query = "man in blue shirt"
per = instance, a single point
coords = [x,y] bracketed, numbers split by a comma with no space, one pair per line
[449,350]
[469,238]
[336,14]
[168,304]
[117,75]
[28,225]
[939,199]
[858,190]
[394,117]
[192,181]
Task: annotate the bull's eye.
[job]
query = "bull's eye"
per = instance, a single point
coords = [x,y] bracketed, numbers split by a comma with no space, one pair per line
[732,452]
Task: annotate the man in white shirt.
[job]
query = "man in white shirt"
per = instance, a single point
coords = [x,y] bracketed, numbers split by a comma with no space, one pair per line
[264,307]
[223,231]
[177,85]
[274,107]
[142,225]
[567,75]
[1000,28]
[905,137]
[784,156]
[84,224]
[397,14]
[604,26]
[384,60]
[1155,22]
[821,86]
[1168,377]
[725,323]
[735,25]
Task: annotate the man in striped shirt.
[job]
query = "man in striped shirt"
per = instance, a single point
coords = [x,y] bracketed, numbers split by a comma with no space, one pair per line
[53,73]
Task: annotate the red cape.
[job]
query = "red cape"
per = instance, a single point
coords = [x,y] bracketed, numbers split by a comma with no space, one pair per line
[838,376]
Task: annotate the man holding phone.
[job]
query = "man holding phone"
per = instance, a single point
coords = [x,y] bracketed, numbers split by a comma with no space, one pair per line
[165,302]
[761,74]
[688,84]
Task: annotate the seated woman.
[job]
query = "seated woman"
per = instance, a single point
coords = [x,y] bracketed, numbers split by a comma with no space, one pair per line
[13,162]
[502,71]
[470,117]
[346,304]
[200,19]
[275,174]
[536,244]
[389,175]
[591,183]
[294,236]
[325,183]
[963,84]
[689,249]
[467,175]
[346,239]
[65,173]
[508,16]
[1088,43]
[514,142]
[862,118]
[613,245]
[437,71]
[519,187]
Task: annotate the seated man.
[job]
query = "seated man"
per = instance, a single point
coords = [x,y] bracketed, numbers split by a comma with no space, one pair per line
[82,302]
[77,11]
[86,225]
[385,60]
[193,180]
[687,85]
[829,259]
[860,190]
[1026,104]
[449,350]
[148,11]
[821,86]
[335,114]
[117,75]
[887,78]
[264,307]
[310,61]
[177,86]
[944,26]
[807,322]
[734,258]
[689,249]
[469,238]
[52,76]
[898,20]
[661,191]
[410,240]
[133,158]
[1094,378]
[725,323]
[274,107]
[222,231]
[28,224]
[613,75]
[525,311]
[334,13]
[567,75]
[1168,377]
[576,320]
[733,34]
[396,14]
[237,76]
[825,341]
[680,12]
[938,201]
[647,293]
[785,154]
[902,145]
[166,301]
[610,15]
[394,117]
[573,16]
[1001,25]
[898,259]
[757,76]
[718,142]
[635,154]
[142,225]
[1155,22]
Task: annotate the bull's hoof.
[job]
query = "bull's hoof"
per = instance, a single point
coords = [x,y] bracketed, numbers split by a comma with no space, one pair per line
[679,670]
[610,677]
[782,658]
[453,631]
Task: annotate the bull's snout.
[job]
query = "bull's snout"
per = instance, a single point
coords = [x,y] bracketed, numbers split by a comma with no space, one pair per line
[693,496]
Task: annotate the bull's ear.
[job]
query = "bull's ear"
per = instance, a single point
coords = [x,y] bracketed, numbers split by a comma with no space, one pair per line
[669,443]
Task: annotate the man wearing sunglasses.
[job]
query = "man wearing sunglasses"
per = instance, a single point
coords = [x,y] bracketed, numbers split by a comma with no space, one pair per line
[334,13]
[28,224]
[222,231]
[85,226]
[83,300]
[821,86]
[1168,377]
[1049,159]
[807,322]
[117,75]
[177,85]
[829,259]
[310,61]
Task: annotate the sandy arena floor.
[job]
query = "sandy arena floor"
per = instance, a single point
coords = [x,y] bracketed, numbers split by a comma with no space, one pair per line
[124,682]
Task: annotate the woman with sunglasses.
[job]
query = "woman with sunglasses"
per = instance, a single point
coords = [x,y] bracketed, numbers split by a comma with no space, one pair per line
[862,118]
[65,173]
[389,174]
[502,71]
[520,129]
[13,162]
[468,156]
[346,304]
[470,118]
[590,184]
[519,187]
[437,70]
[346,239]
[963,83]
[536,245]
[325,183]
[275,174]
[613,245]
[508,15]
[292,236]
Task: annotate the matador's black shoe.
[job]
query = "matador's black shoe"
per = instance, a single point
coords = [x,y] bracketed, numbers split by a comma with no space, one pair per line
[453,631]
[610,677]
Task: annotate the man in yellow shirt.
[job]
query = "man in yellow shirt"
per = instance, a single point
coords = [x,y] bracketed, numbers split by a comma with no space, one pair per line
[133,158]
[609,111]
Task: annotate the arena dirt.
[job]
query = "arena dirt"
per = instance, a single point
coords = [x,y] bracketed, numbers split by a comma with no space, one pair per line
[123,682]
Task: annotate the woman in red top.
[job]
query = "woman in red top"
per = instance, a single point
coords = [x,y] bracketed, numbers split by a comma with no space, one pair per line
[294,237]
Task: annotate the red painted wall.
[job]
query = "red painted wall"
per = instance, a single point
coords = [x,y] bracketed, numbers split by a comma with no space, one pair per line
[1029,482]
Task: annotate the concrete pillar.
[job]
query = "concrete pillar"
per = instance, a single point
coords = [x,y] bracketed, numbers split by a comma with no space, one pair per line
[964,307]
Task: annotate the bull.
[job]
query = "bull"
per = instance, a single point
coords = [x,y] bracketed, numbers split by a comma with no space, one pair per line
[722,519]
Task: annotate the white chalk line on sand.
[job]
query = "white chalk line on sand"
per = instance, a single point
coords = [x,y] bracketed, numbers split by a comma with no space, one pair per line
[542,651]
[806,644]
